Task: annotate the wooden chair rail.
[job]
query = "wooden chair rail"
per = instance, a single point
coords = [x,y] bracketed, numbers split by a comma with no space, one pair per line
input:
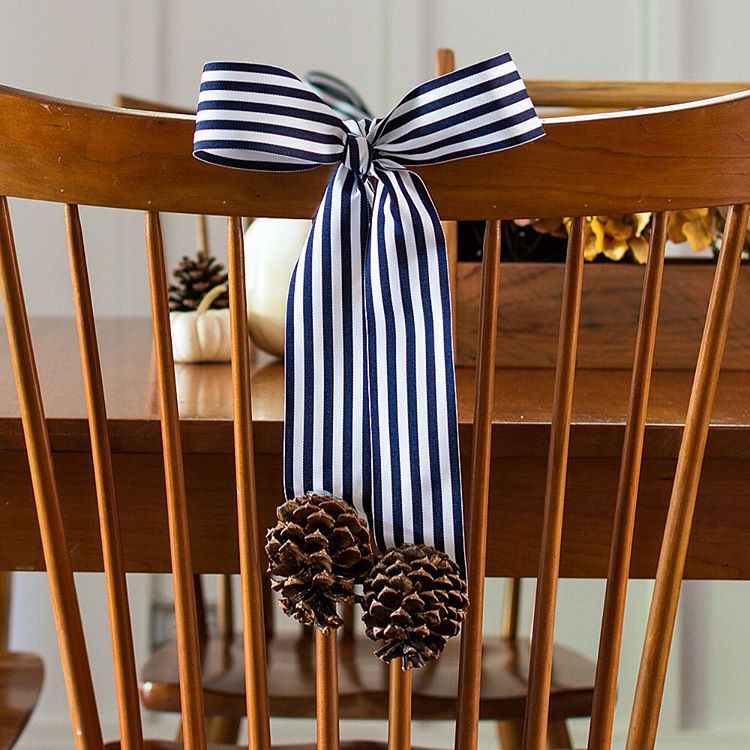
[97,156]
[718,549]
[613,95]
[575,95]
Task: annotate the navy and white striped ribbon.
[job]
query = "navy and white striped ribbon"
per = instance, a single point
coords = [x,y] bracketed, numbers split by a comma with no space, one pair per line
[370,386]
[338,95]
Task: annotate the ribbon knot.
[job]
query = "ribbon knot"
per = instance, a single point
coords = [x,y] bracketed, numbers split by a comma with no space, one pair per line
[358,151]
[370,393]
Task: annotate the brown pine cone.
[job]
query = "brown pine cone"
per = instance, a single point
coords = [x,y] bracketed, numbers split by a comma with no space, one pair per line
[317,552]
[414,601]
[195,278]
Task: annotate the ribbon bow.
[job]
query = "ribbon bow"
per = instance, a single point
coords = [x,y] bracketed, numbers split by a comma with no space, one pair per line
[370,387]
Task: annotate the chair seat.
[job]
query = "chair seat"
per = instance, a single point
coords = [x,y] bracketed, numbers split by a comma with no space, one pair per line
[149,744]
[21,677]
[363,680]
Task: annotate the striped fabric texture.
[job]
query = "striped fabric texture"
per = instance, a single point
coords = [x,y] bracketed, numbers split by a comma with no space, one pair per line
[338,95]
[370,387]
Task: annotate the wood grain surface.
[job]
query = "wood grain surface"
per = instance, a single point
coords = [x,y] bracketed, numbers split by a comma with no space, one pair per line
[575,95]
[21,677]
[720,546]
[99,156]
[521,409]
[529,315]
[622,94]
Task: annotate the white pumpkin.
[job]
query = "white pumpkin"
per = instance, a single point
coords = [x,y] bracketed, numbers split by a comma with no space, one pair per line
[272,247]
[203,335]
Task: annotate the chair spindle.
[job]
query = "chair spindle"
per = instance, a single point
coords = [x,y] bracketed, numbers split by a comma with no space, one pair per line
[5,597]
[123,657]
[540,666]
[201,234]
[445,62]
[224,607]
[251,577]
[186,623]
[326,690]
[511,609]
[470,667]
[269,604]
[399,706]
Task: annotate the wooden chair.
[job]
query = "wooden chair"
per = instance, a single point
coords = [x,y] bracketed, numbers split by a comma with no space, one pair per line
[52,150]
[21,676]
[363,686]
[608,96]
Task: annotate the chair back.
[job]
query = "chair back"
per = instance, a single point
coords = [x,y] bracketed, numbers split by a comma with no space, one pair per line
[559,97]
[667,158]
[607,96]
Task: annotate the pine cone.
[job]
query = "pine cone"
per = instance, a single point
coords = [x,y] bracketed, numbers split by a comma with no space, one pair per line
[195,277]
[414,601]
[317,552]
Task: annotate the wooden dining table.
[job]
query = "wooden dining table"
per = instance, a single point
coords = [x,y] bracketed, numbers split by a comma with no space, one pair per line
[720,543]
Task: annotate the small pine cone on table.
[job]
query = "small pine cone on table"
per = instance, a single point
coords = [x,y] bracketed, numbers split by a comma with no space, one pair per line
[414,601]
[317,552]
[195,278]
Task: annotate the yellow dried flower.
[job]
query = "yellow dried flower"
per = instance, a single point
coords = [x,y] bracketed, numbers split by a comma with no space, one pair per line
[696,226]
[613,236]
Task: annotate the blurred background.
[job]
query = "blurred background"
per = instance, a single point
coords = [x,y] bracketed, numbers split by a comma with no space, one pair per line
[89,50]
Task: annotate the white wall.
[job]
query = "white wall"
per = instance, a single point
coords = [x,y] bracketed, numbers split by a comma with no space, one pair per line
[88,50]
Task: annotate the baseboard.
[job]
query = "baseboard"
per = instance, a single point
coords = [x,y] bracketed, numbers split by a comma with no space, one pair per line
[54,733]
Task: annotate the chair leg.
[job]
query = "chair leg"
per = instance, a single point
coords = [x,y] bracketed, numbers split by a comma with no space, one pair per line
[558,737]
[510,734]
[223,730]
[5,582]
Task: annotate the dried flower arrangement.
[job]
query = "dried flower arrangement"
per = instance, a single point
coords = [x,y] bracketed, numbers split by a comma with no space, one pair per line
[618,238]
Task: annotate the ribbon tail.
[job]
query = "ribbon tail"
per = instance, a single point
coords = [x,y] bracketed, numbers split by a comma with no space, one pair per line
[416,467]
[326,426]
